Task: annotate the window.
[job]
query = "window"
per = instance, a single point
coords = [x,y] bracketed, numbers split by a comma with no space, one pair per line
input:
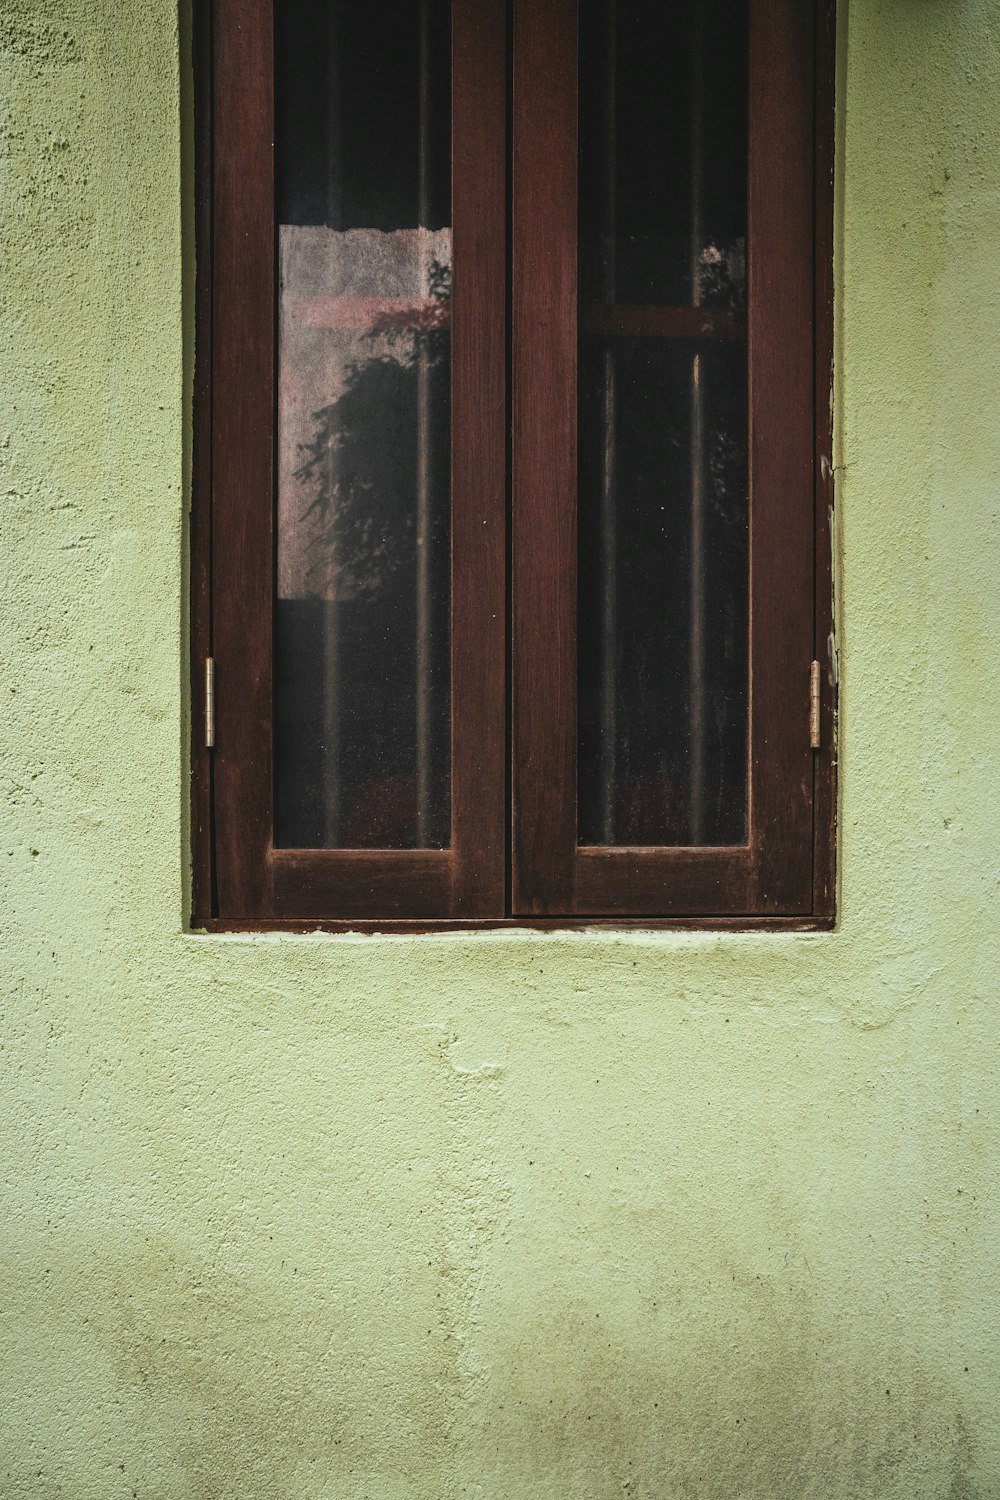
[511,558]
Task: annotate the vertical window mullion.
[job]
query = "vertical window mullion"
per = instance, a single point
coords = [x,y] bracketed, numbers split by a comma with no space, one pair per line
[479,458]
[544,336]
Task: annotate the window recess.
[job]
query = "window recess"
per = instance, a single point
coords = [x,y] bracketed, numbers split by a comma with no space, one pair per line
[511,404]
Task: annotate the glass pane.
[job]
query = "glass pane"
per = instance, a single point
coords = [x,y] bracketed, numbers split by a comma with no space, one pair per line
[362,651]
[663,627]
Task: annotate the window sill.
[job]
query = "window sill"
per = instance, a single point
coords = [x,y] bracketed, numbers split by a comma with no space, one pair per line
[525,924]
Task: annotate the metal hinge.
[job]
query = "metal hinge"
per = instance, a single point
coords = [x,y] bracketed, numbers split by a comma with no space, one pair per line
[209,703]
[814,692]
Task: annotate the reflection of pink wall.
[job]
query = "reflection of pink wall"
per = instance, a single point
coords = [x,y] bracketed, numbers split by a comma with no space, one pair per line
[336,287]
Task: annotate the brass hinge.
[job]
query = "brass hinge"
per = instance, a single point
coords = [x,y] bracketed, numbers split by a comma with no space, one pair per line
[814,692]
[209,703]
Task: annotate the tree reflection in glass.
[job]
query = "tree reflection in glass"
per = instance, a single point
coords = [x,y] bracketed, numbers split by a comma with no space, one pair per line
[362,679]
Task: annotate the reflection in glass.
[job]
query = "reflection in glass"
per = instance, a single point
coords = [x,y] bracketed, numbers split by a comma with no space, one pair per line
[362,649]
[663,627]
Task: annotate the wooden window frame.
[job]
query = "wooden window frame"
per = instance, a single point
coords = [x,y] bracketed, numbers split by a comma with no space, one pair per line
[783,877]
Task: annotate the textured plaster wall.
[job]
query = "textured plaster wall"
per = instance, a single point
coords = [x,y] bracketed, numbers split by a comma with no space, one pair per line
[517,1217]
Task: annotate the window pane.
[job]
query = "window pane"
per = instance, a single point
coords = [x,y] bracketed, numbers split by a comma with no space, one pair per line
[663,628]
[362,659]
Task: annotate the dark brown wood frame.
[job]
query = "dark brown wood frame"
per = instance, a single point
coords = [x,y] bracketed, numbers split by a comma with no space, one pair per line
[783,876]
[252,878]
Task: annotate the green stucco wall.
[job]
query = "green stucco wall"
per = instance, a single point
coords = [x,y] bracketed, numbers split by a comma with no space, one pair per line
[519,1217]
